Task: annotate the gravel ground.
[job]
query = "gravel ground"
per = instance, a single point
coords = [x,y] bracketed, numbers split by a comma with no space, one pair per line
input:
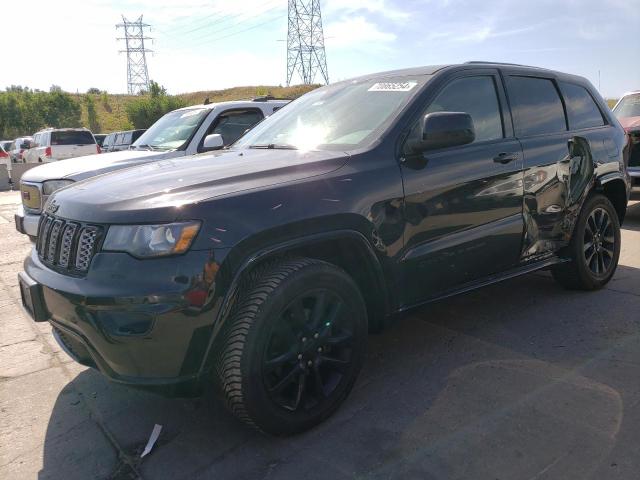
[521,380]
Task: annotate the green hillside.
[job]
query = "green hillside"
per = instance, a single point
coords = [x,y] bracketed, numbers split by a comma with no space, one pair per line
[112,115]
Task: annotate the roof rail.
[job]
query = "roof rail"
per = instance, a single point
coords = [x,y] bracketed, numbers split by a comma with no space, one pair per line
[480,62]
[266,98]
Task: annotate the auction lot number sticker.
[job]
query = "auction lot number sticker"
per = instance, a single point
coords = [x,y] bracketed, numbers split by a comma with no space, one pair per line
[392,86]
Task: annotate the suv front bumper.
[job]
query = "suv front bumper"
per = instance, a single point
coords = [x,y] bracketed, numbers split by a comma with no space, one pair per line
[144,323]
[26,223]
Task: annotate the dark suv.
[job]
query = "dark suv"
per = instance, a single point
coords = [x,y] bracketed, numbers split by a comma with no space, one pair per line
[262,267]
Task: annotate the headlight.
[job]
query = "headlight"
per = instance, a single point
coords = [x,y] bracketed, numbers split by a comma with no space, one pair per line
[53,185]
[144,241]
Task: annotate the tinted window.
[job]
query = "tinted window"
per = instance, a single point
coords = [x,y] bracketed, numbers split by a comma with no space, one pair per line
[136,135]
[536,106]
[581,108]
[476,96]
[125,139]
[233,124]
[72,137]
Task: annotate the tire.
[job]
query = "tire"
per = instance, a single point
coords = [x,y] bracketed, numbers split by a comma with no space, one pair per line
[594,249]
[285,363]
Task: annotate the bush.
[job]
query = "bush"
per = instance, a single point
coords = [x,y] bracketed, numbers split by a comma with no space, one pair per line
[24,111]
[146,110]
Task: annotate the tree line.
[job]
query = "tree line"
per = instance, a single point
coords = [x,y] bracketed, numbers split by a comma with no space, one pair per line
[24,111]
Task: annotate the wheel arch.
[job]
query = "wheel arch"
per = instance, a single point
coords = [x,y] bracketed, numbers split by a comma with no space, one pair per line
[616,190]
[347,249]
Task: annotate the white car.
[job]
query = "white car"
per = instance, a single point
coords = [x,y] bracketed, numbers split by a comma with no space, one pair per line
[187,131]
[51,145]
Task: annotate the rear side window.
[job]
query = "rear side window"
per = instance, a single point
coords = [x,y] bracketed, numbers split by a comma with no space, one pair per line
[581,108]
[72,137]
[537,107]
[476,96]
[126,139]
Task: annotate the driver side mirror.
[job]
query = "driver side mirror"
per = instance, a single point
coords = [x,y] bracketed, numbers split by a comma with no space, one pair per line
[212,142]
[445,129]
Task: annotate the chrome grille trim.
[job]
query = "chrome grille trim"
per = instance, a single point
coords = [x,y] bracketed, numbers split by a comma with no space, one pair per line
[67,246]
[86,246]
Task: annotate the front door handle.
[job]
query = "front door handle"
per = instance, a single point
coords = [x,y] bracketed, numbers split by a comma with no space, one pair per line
[505,158]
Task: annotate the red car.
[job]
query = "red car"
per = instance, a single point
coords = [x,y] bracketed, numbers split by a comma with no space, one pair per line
[627,110]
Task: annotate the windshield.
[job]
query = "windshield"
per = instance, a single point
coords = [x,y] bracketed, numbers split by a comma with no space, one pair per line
[629,106]
[173,130]
[338,117]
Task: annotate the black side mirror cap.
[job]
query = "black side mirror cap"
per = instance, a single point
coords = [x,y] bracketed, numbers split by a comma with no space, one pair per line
[446,129]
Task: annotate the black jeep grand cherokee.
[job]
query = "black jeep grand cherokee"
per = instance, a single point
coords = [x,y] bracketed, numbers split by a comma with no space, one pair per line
[261,268]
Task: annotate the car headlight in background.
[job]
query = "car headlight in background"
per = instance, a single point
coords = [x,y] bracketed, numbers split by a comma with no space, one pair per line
[51,186]
[146,241]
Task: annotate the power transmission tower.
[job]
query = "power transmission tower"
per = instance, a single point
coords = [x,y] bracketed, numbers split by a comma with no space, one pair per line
[137,73]
[305,42]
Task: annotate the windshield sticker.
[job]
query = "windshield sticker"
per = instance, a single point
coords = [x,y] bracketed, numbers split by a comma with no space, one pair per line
[393,86]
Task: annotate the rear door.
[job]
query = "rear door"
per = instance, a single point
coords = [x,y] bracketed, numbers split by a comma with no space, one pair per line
[463,205]
[558,163]
[71,144]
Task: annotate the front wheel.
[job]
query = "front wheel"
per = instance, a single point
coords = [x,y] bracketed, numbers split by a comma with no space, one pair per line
[594,250]
[293,347]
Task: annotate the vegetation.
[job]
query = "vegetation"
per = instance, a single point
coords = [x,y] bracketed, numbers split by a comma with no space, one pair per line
[24,111]
[145,110]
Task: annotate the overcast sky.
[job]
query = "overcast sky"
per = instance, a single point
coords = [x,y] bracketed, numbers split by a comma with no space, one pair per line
[213,44]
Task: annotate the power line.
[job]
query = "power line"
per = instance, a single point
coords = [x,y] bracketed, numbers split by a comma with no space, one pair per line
[214,33]
[134,37]
[305,42]
[210,40]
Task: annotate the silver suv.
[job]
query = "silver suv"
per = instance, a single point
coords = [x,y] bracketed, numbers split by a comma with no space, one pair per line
[183,132]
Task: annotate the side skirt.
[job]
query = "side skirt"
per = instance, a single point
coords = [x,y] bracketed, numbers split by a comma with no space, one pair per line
[497,278]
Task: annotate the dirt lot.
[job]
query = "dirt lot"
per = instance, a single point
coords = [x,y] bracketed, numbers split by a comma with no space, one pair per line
[520,381]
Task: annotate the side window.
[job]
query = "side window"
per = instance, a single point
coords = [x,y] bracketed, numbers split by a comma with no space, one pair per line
[126,138]
[581,108]
[476,96]
[233,123]
[537,107]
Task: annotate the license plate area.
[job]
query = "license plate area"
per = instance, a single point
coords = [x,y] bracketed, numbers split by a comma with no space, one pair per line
[32,298]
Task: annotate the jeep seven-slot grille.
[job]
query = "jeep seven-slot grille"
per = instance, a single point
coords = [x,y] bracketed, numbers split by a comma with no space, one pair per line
[65,245]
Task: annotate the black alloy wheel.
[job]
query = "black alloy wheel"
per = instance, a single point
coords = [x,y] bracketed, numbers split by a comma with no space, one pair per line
[591,258]
[293,345]
[309,352]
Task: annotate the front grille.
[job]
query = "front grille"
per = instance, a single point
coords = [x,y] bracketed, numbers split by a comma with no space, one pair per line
[65,245]
[31,197]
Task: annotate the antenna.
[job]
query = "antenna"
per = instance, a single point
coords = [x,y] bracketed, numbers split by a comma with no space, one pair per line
[137,73]
[305,42]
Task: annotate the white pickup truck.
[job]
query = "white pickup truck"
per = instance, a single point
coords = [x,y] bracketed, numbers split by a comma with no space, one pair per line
[55,144]
[183,132]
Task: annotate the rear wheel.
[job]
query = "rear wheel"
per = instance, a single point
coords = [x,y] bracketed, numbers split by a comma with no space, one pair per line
[594,249]
[294,346]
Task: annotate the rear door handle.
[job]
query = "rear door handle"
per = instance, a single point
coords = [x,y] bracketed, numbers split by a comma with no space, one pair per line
[505,158]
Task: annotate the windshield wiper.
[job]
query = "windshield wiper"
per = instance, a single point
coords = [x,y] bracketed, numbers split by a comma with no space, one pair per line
[274,146]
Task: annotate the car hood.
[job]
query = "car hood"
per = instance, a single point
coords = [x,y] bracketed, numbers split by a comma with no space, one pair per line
[630,123]
[84,167]
[162,191]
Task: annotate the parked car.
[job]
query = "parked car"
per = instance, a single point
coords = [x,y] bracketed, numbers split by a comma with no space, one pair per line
[108,142]
[99,138]
[54,144]
[262,267]
[18,147]
[125,139]
[186,131]
[627,110]
[6,145]
[4,158]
